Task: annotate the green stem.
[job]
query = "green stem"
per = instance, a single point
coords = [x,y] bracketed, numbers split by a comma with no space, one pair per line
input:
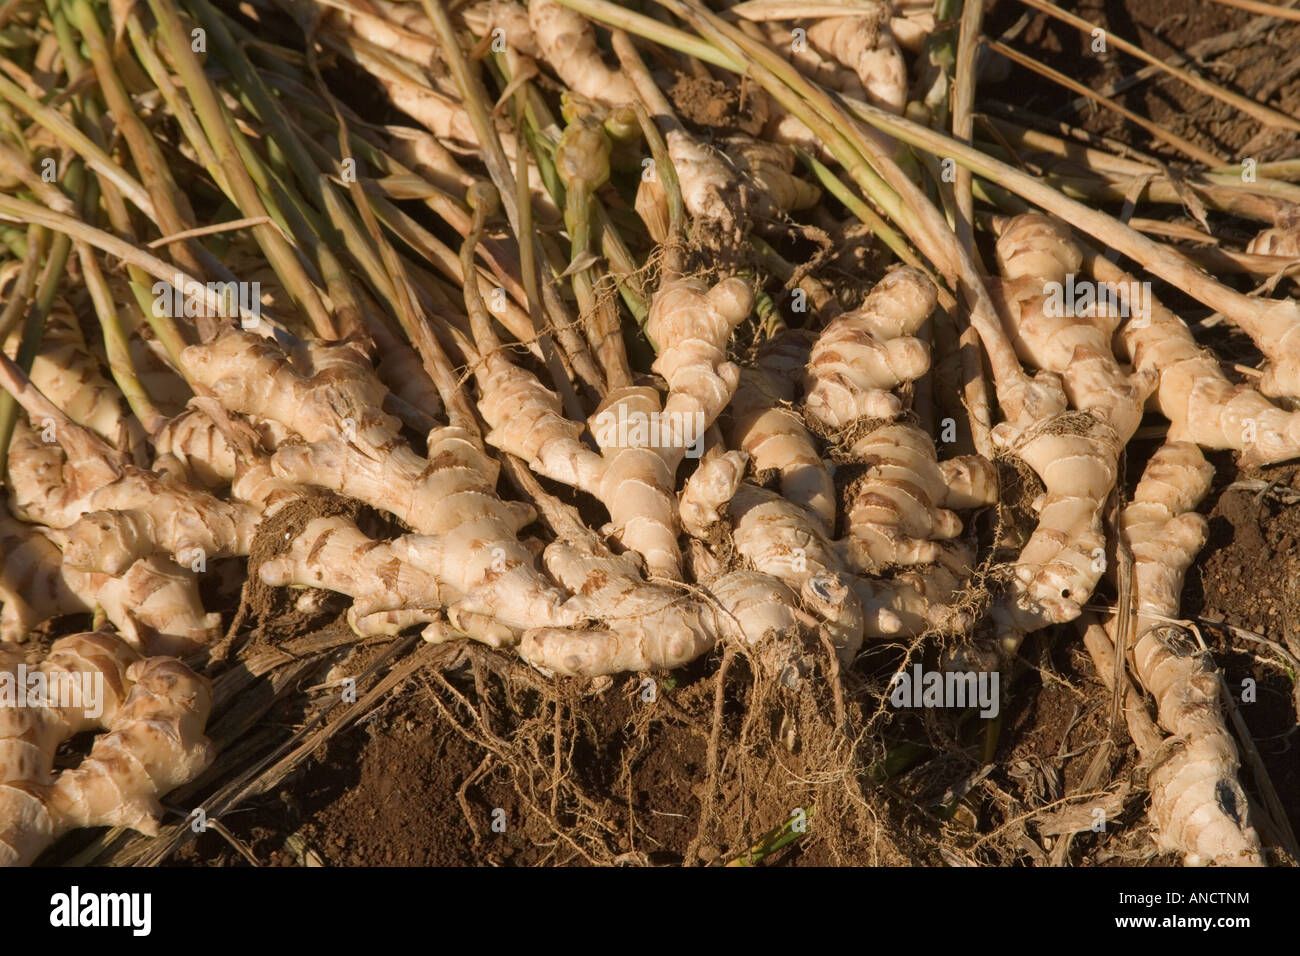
[237,160]
[74,184]
[23,211]
[67,134]
[513,197]
[21,292]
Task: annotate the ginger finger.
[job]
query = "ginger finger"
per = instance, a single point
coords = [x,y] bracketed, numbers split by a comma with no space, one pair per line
[69,375]
[143,514]
[332,553]
[1192,392]
[894,512]
[32,587]
[155,743]
[918,600]
[50,477]
[775,437]
[1197,805]
[692,325]
[866,45]
[637,481]
[863,354]
[567,41]
[155,605]
[768,169]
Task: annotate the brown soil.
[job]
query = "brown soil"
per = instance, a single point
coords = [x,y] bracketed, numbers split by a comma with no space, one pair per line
[716,105]
[1265,66]
[1249,578]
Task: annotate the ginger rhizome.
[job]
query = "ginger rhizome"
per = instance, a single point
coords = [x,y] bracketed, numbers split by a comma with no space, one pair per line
[567,41]
[1197,805]
[128,540]
[32,586]
[896,571]
[900,514]
[863,355]
[643,438]
[70,376]
[1076,453]
[152,711]
[1192,391]
[466,535]
[772,433]
[855,53]
[863,46]
[464,563]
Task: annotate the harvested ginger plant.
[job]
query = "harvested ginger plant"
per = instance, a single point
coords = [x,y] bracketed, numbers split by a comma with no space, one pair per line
[684,426]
